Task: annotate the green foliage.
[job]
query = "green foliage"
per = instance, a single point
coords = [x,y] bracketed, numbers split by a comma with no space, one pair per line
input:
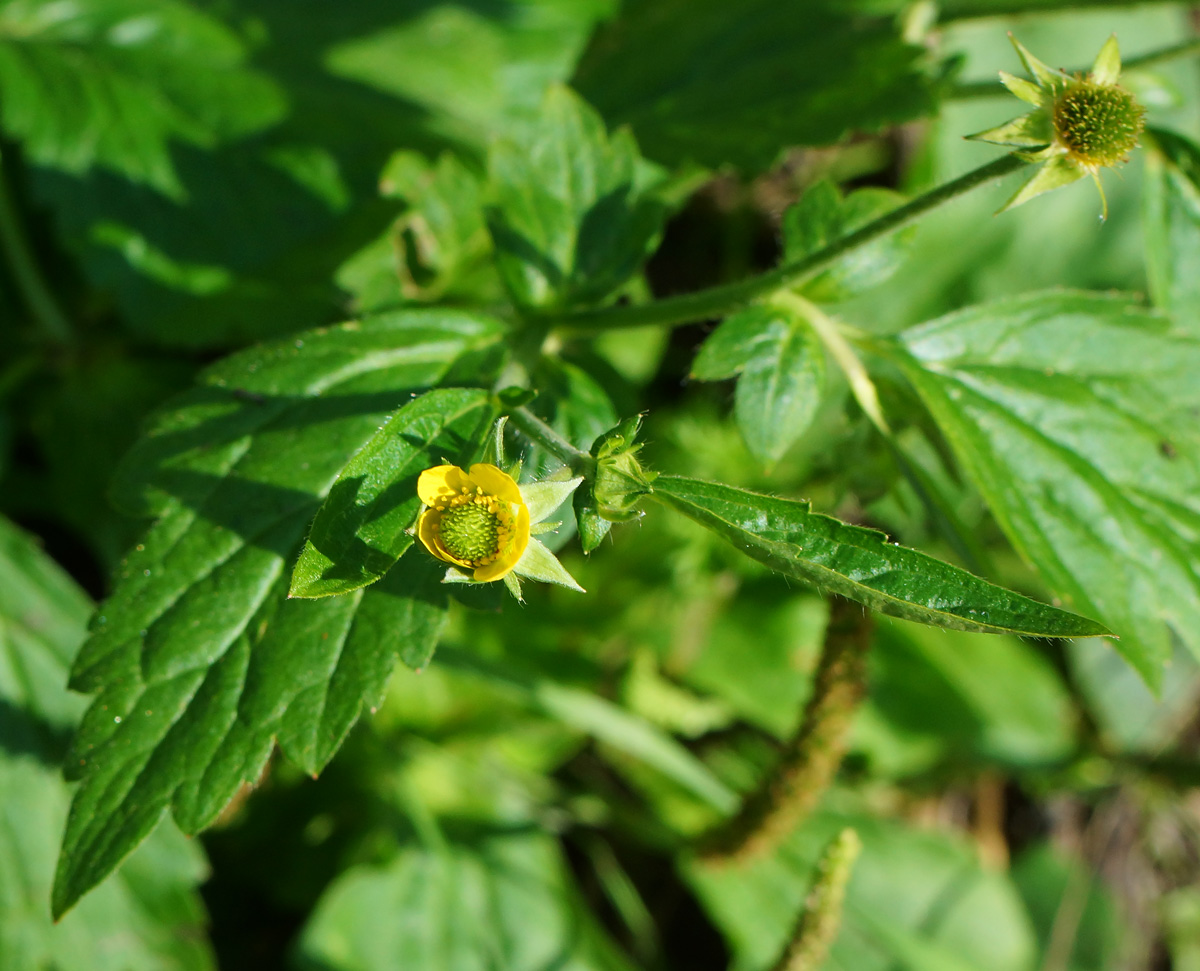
[364,525]
[859,563]
[570,216]
[501,899]
[464,232]
[780,366]
[1088,402]
[1172,218]
[148,916]
[113,82]
[772,77]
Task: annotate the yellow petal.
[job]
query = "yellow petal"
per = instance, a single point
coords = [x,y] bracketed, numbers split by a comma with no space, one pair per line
[440,482]
[509,557]
[430,539]
[495,482]
[426,534]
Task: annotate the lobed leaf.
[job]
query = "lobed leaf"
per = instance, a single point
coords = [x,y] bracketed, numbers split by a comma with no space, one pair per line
[147,919]
[198,661]
[113,82]
[1171,220]
[860,564]
[773,76]
[781,374]
[1075,415]
[571,218]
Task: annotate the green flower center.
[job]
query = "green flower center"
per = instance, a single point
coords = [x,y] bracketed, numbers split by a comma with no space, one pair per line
[1098,123]
[471,532]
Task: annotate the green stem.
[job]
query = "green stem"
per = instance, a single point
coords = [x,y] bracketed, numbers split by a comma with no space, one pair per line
[722,300]
[536,430]
[953,10]
[994,89]
[34,290]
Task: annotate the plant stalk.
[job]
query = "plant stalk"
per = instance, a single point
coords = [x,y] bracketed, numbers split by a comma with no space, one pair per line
[818,926]
[994,89]
[810,760]
[721,300]
[537,431]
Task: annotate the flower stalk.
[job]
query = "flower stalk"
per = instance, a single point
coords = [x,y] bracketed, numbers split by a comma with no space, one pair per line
[810,760]
[819,923]
[721,300]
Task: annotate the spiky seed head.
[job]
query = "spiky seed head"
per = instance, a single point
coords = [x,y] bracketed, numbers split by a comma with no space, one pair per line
[1099,124]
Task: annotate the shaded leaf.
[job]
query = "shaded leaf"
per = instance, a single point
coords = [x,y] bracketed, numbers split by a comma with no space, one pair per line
[502,900]
[773,76]
[113,82]
[570,217]
[1075,415]
[364,525]
[860,564]
[192,683]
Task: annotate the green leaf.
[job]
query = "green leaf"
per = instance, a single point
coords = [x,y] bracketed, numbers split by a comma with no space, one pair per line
[781,368]
[1074,415]
[606,722]
[270,219]
[364,525]
[1171,216]
[147,919]
[571,218]
[962,699]
[438,248]
[193,684]
[113,82]
[916,898]
[860,564]
[823,216]
[773,76]
[500,900]
[42,618]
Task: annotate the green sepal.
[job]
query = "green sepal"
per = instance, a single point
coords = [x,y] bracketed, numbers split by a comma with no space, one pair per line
[1028,131]
[1025,90]
[538,563]
[1052,175]
[1107,67]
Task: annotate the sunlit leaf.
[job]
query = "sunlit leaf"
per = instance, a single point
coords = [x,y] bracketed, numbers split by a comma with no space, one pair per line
[1075,415]
[860,564]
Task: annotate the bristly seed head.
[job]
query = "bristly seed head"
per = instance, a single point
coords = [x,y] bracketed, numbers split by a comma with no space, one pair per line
[1099,124]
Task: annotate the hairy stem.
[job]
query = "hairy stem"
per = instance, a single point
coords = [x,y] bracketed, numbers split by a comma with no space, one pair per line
[808,763]
[818,926]
[34,290]
[974,9]
[537,431]
[721,300]
[994,89]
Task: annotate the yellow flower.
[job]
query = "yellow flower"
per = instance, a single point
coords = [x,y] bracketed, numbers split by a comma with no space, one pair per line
[1079,125]
[481,523]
